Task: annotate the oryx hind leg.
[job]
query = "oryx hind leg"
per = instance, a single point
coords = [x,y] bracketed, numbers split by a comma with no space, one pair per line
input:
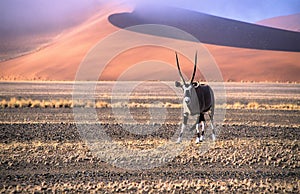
[211,116]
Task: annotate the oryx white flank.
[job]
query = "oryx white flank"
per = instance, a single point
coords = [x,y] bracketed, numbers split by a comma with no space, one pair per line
[198,99]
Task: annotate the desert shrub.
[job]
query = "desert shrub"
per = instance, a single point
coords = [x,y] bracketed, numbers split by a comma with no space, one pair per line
[4,103]
[253,105]
[288,106]
[67,103]
[78,103]
[35,104]
[238,105]
[90,104]
[29,101]
[47,104]
[11,103]
[172,105]
[101,104]
[23,103]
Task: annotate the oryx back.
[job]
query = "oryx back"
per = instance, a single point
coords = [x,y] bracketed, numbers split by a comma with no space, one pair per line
[205,99]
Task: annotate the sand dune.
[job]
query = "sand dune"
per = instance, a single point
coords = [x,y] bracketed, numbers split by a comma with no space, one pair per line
[239,64]
[211,29]
[60,60]
[289,22]
[26,30]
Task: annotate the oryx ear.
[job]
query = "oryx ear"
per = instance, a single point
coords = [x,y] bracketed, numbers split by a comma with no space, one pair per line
[178,84]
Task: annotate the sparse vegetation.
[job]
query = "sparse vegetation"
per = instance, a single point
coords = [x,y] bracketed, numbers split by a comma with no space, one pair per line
[255,105]
[246,164]
[63,103]
[42,150]
[29,103]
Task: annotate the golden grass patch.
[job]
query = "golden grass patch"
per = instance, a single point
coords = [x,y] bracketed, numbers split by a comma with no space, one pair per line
[64,103]
[258,106]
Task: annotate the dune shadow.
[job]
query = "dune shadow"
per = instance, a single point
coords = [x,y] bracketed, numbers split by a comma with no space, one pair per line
[210,29]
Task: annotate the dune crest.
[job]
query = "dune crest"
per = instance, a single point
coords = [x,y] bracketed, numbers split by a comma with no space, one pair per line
[60,59]
[289,22]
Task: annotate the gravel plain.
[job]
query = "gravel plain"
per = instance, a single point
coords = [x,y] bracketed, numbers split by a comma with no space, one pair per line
[257,150]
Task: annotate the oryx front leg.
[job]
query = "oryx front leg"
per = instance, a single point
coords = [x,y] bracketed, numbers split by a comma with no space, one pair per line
[183,126]
[197,129]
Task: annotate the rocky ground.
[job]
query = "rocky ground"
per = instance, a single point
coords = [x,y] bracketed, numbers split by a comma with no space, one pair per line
[43,150]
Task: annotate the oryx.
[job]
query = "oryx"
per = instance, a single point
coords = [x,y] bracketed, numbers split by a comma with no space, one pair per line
[198,99]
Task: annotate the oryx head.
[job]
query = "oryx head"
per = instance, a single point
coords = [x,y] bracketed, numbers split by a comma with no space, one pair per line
[187,87]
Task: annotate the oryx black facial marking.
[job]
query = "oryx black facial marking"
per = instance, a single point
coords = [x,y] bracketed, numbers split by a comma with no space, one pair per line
[198,99]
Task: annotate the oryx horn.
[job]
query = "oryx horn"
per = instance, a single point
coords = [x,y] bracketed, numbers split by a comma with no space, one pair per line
[179,68]
[195,67]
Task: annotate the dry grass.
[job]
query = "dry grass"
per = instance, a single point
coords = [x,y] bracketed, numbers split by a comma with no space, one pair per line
[29,103]
[63,103]
[257,106]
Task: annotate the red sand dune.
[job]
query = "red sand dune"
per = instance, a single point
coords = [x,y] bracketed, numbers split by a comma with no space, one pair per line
[60,60]
[26,30]
[257,65]
[210,29]
[289,22]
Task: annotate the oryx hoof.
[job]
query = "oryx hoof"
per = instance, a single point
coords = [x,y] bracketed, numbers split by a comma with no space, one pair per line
[213,137]
[178,140]
[201,138]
